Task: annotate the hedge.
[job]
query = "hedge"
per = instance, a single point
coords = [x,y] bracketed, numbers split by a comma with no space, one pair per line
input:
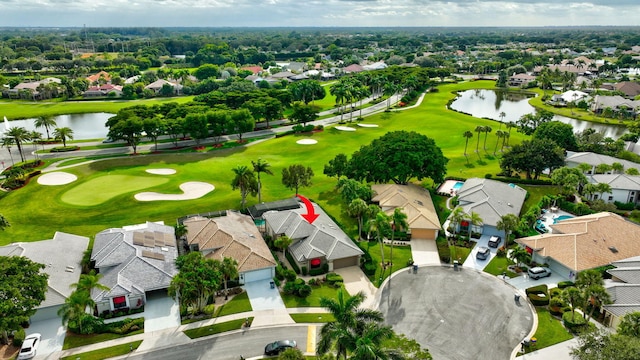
[319,271]
[292,262]
[565,284]
[538,295]
[18,337]
[332,278]
[574,325]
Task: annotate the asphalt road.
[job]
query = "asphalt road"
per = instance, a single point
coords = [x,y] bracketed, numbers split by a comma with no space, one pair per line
[230,346]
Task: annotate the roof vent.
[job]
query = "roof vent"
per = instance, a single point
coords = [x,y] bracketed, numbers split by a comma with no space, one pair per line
[613,249]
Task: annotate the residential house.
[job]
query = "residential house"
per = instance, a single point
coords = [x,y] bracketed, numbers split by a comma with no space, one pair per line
[616,103]
[296,67]
[353,68]
[491,200]
[415,202]
[235,236]
[573,96]
[254,69]
[102,77]
[157,86]
[62,257]
[624,188]
[630,89]
[584,242]
[624,289]
[574,159]
[314,244]
[32,88]
[376,66]
[103,90]
[135,261]
[521,80]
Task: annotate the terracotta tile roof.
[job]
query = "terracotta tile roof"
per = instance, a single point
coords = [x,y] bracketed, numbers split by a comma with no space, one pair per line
[95,77]
[415,201]
[253,69]
[235,236]
[587,242]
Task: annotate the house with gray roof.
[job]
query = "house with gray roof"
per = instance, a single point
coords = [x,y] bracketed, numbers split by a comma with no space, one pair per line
[624,289]
[321,242]
[157,86]
[624,188]
[235,236]
[491,200]
[616,103]
[133,261]
[574,159]
[62,257]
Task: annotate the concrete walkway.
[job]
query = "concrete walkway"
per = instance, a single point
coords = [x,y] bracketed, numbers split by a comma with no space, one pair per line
[559,351]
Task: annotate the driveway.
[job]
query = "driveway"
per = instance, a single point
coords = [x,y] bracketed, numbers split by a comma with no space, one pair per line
[523,282]
[457,315]
[160,312]
[424,252]
[53,334]
[355,281]
[472,263]
[263,297]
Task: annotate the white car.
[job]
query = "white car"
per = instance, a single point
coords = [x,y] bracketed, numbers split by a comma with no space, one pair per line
[29,347]
[539,272]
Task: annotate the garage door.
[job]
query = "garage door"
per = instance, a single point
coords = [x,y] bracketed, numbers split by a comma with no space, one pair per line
[340,263]
[47,313]
[428,234]
[257,275]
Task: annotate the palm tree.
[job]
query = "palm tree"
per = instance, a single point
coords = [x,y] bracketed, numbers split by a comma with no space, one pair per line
[467,135]
[88,282]
[509,126]
[475,220]
[340,92]
[499,135]
[368,343]
[507,223]
[584,167]
[380,225]
[229,270]
[520,255]
[603,188]
[34,136]
[502,116]
[245,180]
[180,230]
[19,135]
[282,242]
[63,134]
[7,142]
[47,122]
[358,208]
[487,130]
[4,223]
[261,166]
[573,297]
[617,167]
[456,218]
[598,296]
[479,129]
[399,223]
[74,308]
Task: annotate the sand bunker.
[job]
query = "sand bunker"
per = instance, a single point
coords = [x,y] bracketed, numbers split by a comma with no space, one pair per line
[57,178]
[368,125]
[345,128]
[191,190]
[161,171]
[307,142]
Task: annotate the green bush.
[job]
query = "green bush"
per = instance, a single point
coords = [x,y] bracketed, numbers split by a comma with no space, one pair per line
[292,262]
[565,284]
[536,289]
[575,324]
[304,270]
[209,309]
[338,284]
[369,269]
[304,291]
[18,337]
[538,295]
[290,275]
[555,293]
[65,148]
[624,206]
[319,271]
[289,288]
[333,277]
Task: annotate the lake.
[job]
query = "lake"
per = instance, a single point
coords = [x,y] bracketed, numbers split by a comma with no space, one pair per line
[84,126]
[490,103]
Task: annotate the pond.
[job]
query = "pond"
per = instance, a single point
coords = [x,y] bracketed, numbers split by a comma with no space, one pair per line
[490,103]
[84,126]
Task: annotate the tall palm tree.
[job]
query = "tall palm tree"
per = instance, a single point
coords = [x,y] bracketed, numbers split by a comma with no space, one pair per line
[398,223]
[499,135]
[245,180]
[456,217]
[507,223]
[573,297]
[35,136]
[19,136]
[467,135]
[339,90]
[380,225]
[88,282]
[479,129]
[502,116]
[475,220]
[509,126]
[74,308]
[358,208]
[520,255]
[598,296]
[261,166]
[47,122]
[7,142]
[63,134]
[487,130]
[229,270]
[368,344]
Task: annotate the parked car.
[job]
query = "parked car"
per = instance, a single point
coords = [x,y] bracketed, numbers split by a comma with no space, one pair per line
[494,241]
[29,347]
[539,272]
[277,347]
[483,253]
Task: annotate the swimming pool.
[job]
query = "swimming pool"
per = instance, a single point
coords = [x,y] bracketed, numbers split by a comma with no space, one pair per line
[457,185]
[562,217]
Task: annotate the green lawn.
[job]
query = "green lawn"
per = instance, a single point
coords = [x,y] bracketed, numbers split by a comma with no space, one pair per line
[239,304]
[401,255]
[459,252]
[535,194]
[313,300]
[216,328]
[313,318]
[26,208]
[103,188]
[74,340]
[498,265]
[105,353]
[550,330]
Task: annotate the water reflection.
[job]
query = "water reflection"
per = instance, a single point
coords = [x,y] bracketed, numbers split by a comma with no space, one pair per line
[84,126]
[512,105]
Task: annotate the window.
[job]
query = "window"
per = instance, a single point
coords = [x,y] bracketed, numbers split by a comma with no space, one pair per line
[610,198]
[119,302]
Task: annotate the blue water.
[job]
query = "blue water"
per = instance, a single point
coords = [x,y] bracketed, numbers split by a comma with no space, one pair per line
[562,217]
[458,185]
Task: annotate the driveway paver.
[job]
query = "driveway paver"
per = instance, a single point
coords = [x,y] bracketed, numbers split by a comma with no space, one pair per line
[457,315]
[424,252]
[53,334]
[263,297]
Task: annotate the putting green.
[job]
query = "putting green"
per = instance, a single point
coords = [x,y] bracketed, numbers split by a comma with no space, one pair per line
[101,189]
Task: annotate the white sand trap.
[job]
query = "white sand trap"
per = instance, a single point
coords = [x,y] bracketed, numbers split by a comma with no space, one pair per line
[191,190]
[57,178]
[345,128]
[161,171]
[307,142]
[368,125]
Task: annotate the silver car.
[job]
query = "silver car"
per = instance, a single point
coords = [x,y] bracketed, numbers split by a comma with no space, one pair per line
[483,253]
[539,272]
[29,347]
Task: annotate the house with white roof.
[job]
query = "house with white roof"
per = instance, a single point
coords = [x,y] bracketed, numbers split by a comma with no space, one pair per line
[624,289]
[574,159]
[321,242]
[157,86]
[624,188]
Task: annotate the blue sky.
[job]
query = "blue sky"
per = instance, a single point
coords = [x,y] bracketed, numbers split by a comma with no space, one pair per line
[290,13]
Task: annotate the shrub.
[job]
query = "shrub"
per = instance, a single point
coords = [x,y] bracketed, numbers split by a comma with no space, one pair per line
[289,288]
[65,149]
[369,269]
[565,284]
[319,127]
[319,271]
[308,128]
[18,337]
[280,272]
[538,295]
[312,282]
[290,275]
[304,291]
[209,309]
[624,206]
[555,293]
[276,281]
[575,324]
[332,278]
[501,252]
[556,306]
[292,262]
[304,270]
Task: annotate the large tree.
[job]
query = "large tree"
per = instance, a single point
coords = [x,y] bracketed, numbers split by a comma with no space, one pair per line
[358,208]
[18,135]
[197,127]
[571,179]
[128,129]
[398,156]
[47,122]
[561,133]
[197,280]
[528,123]
[307,91]
[245,180]
[296,176]
[22,290]
[241,121]
[601,344]
[303,113]
[532,157]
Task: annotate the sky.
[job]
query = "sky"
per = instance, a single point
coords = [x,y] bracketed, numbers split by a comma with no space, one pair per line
[316,13]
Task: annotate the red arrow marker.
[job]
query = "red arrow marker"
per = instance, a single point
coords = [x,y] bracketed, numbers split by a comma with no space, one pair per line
[310,216]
